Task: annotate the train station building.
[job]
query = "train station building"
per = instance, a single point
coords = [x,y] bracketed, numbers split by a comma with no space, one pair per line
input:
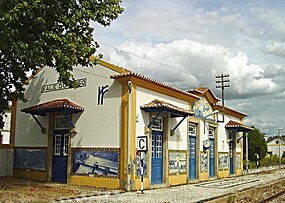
[90,135]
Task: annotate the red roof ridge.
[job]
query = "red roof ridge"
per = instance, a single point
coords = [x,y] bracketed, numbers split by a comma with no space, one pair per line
[138,75]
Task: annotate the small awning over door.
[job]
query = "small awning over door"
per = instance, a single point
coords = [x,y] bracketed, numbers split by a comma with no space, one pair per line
[236,126]
[157,106]
[161,106]
[58,105]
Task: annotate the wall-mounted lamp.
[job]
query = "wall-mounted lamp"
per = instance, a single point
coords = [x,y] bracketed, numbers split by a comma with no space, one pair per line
[213,113]
[74,131]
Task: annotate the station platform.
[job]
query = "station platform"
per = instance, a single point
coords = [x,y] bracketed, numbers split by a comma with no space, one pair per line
[209,191]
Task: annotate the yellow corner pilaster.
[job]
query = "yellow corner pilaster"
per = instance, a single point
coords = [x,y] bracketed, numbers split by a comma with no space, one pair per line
[124,134]
[124,138]
[13,122]
[133,131]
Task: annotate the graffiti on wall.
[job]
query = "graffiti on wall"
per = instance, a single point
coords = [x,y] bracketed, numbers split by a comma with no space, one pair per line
[30,159]
[177,162]
[95,161]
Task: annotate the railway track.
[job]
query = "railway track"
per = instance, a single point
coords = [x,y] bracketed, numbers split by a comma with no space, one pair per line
[275,196]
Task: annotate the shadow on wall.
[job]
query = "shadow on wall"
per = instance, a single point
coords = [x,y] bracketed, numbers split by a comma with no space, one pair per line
[25,122]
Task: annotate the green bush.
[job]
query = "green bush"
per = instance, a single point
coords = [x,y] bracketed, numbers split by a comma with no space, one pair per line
[265,162]
[269,161]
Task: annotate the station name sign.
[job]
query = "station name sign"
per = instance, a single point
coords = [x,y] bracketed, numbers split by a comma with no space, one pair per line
[59,86]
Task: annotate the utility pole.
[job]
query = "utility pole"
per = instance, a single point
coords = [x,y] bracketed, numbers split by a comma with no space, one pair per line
[222,82]
[279,145]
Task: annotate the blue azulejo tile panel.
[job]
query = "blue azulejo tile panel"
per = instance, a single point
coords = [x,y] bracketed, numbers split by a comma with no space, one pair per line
[204,162]
[101,162]
[30,159]
[177,162]
[223,161]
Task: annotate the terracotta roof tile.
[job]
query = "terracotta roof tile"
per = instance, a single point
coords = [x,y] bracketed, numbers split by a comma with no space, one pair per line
[53,106]
[234,124]
[140,76]
[158,104]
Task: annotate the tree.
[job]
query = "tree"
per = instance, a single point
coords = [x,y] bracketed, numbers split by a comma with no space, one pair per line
[256,144]
[54,33]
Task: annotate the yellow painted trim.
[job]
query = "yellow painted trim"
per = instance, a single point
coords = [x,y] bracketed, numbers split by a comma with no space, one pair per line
[113,67]
[6,146]
[223,174]
[13,122]
[210,97]
[30,174]
[50,146]
[239,172]
[124,138]
[194,120]
[178,179]
[133,128]
[229,111]
[158,88]
[204,176]
[109,183]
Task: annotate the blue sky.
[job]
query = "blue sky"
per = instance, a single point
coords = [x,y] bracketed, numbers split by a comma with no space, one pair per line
[192,41]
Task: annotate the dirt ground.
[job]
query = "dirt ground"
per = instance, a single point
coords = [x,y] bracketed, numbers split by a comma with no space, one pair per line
[23,190]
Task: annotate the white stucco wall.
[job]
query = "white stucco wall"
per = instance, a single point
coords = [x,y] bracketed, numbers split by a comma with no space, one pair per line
[98,125]
[7,120]
[274,147]
[7,161]
[5,131]
[175,142]
[223,144]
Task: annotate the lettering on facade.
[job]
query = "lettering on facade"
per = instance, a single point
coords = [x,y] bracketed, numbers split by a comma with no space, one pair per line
[59,86]
[102,90]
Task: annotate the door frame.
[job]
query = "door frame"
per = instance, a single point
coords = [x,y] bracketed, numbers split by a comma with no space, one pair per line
[162,156]
[189,150]
[61,154]
[164,129]
[50,148]
[213,140]
[232,161]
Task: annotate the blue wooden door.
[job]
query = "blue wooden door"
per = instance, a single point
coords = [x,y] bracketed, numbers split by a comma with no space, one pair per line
[212,158]
[60,154]
[192,157]
[157,157]
[231,158]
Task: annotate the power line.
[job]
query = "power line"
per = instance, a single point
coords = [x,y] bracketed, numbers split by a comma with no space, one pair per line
[151,60]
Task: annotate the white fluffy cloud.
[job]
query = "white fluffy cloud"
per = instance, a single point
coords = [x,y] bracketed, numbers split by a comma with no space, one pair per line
[205,38]
[190,63]
[274,48]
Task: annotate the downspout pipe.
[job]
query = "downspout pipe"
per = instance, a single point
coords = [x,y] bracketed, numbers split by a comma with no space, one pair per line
[130,86]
